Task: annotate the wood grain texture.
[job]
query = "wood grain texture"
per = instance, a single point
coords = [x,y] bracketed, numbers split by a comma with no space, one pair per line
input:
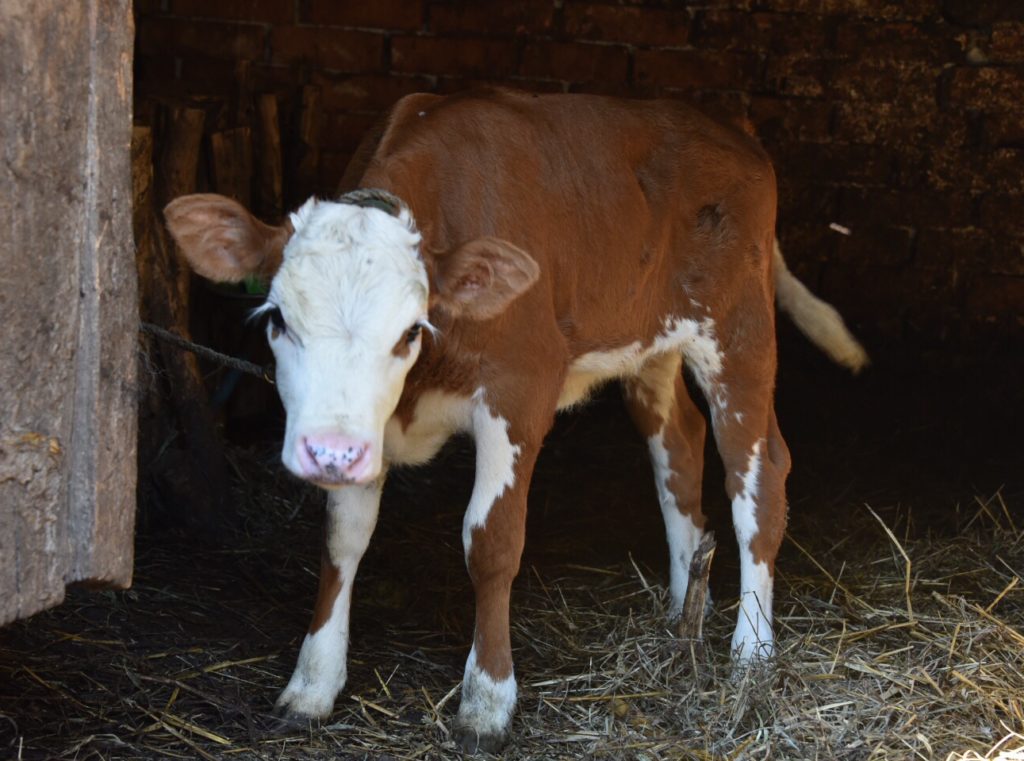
[68,310]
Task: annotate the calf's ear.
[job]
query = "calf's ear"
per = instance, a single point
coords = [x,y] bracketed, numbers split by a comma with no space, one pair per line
[479,279]
[222,240]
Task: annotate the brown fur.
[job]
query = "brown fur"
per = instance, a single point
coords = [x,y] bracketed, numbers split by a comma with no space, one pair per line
[633,211]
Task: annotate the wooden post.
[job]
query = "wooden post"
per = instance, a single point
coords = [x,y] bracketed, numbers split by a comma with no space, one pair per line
[270,188]
[68,314]
[307,147]
[231,158]
[192,479]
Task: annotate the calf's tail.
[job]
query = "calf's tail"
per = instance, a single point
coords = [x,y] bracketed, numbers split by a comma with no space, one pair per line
[816,319]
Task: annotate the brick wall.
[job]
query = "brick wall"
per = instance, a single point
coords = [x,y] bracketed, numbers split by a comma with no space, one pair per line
[902,121]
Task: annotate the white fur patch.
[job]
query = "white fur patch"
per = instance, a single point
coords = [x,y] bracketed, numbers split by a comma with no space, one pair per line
[321,670]
[682,533]
[438,415]
[487,704]
[694,339]
[753,638]
[495,467]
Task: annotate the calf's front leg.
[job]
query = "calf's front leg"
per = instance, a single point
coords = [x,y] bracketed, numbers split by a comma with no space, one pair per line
[493,532]
[321,671]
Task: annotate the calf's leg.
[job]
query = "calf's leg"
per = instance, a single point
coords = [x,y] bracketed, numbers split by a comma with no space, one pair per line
[756,464]
[674,429]
[321,670]
[493,533]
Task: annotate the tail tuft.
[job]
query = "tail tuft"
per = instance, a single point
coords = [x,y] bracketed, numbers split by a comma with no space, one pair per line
[816,319]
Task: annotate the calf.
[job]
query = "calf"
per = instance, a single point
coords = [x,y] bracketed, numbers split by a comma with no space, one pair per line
[507,254]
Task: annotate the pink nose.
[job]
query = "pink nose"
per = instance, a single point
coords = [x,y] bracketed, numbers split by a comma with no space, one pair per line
[334,459]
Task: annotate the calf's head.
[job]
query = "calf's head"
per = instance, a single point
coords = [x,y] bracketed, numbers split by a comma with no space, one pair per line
[350,295]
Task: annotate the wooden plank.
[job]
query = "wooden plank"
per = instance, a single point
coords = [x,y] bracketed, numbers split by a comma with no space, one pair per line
[270,182]
[231,158]
[67,452]
[306,160]
[191,477]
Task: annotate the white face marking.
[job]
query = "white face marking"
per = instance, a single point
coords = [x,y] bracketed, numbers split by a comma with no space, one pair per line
[349,289]
[487,704]
[438,415]
[322,667]
[694,339]
[495,468]
[682,533]
[753,638]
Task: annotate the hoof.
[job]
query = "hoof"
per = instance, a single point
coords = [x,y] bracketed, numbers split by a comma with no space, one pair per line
[472,742]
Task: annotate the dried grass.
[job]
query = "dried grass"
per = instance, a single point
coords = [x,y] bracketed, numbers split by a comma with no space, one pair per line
[895,643]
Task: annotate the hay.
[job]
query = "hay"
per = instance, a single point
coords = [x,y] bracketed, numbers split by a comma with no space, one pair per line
[895,643]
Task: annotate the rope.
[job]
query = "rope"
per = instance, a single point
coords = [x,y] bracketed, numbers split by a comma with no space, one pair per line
[265,372]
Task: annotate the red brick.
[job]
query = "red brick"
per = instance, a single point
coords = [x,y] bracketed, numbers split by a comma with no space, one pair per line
[693,69]
[947,246]
[614,89]
[180,37]
[259,11]
[886,245]
[637,26]
[981,12]
[725,105]
[406,15]
[986,87]
[1007,257]
[1000,210]
[806,245]
[1004,128]
[869,122]
[368,92]
[1007,44]
[575,62]
[458,57]
[867,79]
[336,49]
[899,41]
[799,76]
[816,201]
[995,297]
[916,10]
[780,120]
[504,19]
[449,85]
[719,29]
[1000,172]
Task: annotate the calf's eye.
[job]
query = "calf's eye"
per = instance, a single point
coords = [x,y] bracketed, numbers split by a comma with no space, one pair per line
[413,333]
[277,326]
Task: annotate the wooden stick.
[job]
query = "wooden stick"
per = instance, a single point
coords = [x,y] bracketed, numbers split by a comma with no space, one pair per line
[691,622]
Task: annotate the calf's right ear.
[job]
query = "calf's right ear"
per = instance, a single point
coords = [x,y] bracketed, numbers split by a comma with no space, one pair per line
[222,240]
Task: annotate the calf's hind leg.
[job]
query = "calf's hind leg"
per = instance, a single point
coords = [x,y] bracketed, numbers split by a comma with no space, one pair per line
[756,464]
[674,428]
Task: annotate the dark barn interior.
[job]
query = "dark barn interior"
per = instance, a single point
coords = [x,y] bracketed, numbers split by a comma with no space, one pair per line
[897,134]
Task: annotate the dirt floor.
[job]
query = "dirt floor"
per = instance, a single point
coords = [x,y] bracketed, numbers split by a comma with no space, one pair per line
[900,613]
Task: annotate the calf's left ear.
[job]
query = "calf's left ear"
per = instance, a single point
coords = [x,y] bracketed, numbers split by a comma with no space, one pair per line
[479,279]
[222,240]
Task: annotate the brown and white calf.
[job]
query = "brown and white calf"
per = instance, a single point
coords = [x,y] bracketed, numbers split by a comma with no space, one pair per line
[511,253]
